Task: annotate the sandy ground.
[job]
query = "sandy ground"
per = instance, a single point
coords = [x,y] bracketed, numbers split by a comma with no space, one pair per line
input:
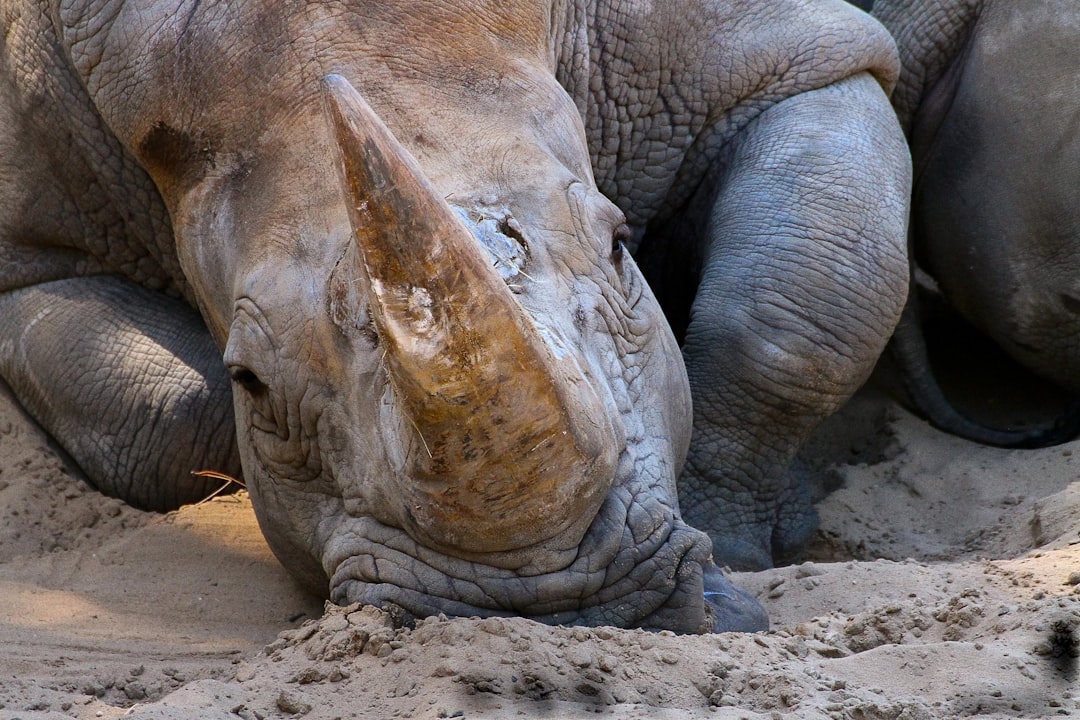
[945,583]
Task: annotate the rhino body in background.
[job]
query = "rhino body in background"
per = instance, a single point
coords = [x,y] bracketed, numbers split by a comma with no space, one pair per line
[987,96]
[402,226]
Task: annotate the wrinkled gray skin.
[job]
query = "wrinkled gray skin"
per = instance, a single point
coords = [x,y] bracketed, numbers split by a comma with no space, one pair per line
[171,192]
[988,97]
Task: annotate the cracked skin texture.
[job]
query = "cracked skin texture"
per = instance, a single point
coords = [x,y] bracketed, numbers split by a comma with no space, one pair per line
[748,156]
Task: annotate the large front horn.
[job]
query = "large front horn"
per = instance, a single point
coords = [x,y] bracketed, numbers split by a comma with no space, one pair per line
[512,445]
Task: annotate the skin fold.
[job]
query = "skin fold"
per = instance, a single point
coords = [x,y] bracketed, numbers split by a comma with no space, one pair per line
[406,262]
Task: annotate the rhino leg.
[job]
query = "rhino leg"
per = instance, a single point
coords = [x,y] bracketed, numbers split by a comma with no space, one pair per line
[803,278]
[128,381]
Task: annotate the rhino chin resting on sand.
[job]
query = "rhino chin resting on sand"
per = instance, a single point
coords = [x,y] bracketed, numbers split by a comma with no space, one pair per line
[393,241]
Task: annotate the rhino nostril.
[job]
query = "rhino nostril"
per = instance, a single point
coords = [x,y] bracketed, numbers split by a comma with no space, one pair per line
[1071,303]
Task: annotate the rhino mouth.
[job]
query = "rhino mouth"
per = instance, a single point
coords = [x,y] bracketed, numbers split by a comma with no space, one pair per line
[638,565]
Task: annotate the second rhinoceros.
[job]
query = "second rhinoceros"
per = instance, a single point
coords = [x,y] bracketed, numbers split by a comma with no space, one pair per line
[988,95]
[405,228]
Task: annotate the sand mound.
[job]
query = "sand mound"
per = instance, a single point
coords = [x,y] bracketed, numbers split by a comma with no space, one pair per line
[945,583]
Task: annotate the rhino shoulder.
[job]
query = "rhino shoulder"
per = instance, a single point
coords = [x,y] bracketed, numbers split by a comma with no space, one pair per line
[663,86]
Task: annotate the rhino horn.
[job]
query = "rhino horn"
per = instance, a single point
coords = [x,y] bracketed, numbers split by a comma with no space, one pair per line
[512,447]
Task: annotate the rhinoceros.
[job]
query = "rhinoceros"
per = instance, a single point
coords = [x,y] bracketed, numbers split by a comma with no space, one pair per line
[394,241]
[987,97]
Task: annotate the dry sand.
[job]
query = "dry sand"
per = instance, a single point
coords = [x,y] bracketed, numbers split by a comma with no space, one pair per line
[945,583]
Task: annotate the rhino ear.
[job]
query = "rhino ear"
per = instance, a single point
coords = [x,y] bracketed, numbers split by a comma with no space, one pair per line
[514,447]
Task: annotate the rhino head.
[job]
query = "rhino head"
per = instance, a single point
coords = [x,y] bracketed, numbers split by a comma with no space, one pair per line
[453,390]
[499,432]
[469,401]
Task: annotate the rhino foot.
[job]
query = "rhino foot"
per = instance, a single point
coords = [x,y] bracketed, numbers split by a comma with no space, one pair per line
[733,609]
[127,380]
[754,528]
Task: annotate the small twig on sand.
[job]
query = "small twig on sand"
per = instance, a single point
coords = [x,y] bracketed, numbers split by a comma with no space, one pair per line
[227,480]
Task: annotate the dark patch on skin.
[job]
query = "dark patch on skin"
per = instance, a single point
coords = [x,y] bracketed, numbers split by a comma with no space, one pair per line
[1065,648]
[581,318]
[191,14]
[368,331]
[173,156]
[509,227]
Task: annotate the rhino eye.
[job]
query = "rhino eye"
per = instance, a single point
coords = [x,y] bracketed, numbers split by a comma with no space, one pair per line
[246,379]
[619,236]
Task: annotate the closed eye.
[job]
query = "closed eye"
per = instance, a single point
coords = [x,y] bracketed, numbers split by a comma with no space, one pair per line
[246,379]
[619,238]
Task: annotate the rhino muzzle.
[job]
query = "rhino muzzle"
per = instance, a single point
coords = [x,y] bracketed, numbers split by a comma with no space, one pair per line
[513,447]
[657,575]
